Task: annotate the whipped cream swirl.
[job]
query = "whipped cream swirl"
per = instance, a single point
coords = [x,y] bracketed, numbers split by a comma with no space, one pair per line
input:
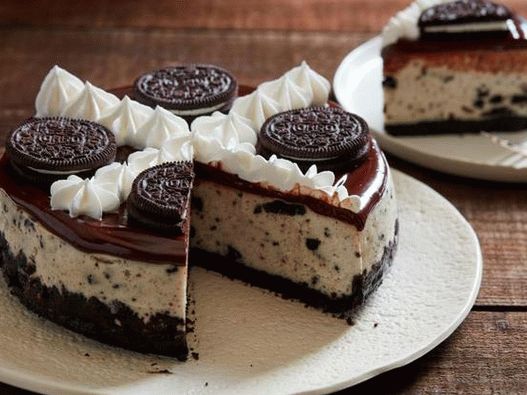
[58,89]
[125,119]
[175,150]
[161,126]
[318,87]
[116,178]
[230,130]
[83,197]
[90,103]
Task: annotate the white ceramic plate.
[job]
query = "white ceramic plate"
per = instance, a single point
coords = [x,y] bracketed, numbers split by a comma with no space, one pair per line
[357,86]
[251,341]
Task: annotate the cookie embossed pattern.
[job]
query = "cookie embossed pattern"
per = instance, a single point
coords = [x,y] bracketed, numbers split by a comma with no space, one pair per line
[110,284]
[188,91]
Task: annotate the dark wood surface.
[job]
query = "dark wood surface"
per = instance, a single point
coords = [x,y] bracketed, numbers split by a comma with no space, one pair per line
[109,43]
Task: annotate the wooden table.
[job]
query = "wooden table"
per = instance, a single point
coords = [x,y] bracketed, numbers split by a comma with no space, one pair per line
[109,44]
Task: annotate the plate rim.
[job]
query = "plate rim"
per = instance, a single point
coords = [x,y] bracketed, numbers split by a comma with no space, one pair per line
[28,380]
[397,147]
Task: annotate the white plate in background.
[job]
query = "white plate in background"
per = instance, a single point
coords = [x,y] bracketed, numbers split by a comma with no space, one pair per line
[358,87]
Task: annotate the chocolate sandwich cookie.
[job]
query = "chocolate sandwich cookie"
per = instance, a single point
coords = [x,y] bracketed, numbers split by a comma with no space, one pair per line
[188,91]
[329,137]
[465,19]
[45,149]
[160,197]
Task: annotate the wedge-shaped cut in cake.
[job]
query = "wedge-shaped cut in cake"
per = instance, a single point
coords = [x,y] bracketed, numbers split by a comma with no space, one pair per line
[453,67]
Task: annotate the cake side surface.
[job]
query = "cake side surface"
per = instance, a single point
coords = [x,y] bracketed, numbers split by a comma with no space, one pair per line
[285,246]
[290,249]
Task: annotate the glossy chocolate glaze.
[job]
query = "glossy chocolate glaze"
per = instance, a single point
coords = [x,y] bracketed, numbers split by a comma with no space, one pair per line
[114,236]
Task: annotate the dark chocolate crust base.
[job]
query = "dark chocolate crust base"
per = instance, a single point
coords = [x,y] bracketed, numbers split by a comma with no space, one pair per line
[117,325]
[506,123]
[363,284]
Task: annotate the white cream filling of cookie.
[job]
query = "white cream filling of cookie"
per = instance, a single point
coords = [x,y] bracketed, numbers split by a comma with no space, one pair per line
[469,27]
[404,24]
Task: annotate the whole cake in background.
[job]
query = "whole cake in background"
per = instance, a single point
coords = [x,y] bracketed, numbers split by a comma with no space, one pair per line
[285,191]
[453,67]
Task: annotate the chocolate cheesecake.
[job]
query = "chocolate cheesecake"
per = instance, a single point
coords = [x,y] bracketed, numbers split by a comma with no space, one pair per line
[108,256]
[455,67]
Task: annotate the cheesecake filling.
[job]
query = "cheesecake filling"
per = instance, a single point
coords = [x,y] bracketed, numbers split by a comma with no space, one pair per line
[147,289]
[288,239]
[418,93]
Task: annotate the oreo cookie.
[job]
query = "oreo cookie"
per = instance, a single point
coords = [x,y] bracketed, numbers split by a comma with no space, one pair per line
[188,91]
[46,149]
[455,17]
[329,137]
[160,197]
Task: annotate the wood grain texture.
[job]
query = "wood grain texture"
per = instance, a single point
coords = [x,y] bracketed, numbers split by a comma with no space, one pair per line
[299,15]
[486,355]
[498,213]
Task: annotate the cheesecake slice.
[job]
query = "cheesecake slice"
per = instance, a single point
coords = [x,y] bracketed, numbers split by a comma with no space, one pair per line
[455,67]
